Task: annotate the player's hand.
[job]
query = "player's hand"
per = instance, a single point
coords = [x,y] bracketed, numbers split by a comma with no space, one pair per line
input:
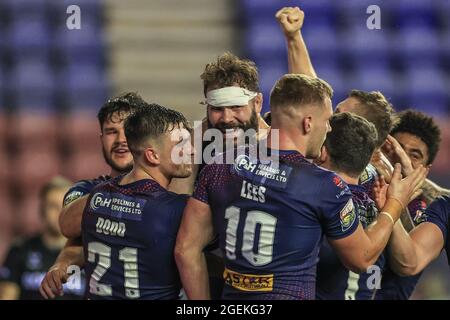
[291,20]
[407,189]
[383,166]
[379,192]
[52,284]
[398,154]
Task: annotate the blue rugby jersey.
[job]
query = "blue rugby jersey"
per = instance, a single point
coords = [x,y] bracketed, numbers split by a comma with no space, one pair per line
[334,280]
[129,233]
[82,188]
[271,220]
[439,214]
[393,286]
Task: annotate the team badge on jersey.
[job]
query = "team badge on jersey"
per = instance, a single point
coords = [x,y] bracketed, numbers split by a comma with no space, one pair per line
[348,215]
[71,197]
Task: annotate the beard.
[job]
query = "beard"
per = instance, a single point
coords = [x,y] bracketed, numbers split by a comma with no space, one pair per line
[252,123]
[119,168]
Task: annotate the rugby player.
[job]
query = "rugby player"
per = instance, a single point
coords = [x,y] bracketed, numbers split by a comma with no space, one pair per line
[257,209]
[130,223]
[116,154]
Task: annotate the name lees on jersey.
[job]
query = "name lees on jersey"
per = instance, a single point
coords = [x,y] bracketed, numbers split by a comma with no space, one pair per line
[253,192]
[117,205]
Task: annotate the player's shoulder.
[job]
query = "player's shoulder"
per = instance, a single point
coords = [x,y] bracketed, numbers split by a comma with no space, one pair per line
[83,187]
[440,207]
[174,200]
[326,179]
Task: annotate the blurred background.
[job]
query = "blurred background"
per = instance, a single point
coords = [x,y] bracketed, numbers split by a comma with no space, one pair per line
[54,80]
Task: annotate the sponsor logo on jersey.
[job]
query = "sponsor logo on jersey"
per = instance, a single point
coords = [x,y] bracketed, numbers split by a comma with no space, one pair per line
[248,282]
[243,163]
[117,205]
[347,215]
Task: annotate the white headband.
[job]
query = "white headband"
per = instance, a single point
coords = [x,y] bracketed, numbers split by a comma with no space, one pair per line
[229,96]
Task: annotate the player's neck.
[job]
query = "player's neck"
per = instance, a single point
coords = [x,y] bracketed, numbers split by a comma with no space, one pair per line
[286,142]
[348,179]
[140,173]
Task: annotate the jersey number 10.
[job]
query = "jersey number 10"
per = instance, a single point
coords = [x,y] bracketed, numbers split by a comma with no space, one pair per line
[264,248]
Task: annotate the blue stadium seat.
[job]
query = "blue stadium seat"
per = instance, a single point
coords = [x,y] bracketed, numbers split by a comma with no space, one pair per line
[364,46]
[265,38]
[269,73]
[29,37]
[319,12]
[255,5]
[81,46]
[2,88]
[85,86]
[427,89]
[417,45]
[33,85]
[87,7]
[25,9]
[322,41]
[374,78]
[331,73]
[408,13]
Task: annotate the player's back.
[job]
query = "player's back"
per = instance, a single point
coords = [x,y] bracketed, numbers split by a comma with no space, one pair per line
[129,234]
[270,223]
[334,280]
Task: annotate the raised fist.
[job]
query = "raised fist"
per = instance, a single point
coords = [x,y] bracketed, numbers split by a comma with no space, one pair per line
[291,20]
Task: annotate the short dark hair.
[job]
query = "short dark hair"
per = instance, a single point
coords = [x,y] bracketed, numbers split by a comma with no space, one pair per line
[126,102]
[422,126]
[298,89]
[350,143]
[229,69]
[150,121]
[374,107]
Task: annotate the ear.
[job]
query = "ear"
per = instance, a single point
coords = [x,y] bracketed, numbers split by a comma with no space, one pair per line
[151,156]
[258,102]
[323,155]
[307,124]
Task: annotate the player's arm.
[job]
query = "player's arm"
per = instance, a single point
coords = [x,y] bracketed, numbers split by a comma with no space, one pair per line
[362,248]
[291,22]
[431,191]
[71,216]
[195,232]
[71,254]
[428,238]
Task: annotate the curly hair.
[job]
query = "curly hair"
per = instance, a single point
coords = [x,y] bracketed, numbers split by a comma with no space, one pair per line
[124,103]
[374,107]
[422,126]
[228,70]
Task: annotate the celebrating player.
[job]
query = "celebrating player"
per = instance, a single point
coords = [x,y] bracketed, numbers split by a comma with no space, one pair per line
[270,217]
[115,151]
[131,221]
